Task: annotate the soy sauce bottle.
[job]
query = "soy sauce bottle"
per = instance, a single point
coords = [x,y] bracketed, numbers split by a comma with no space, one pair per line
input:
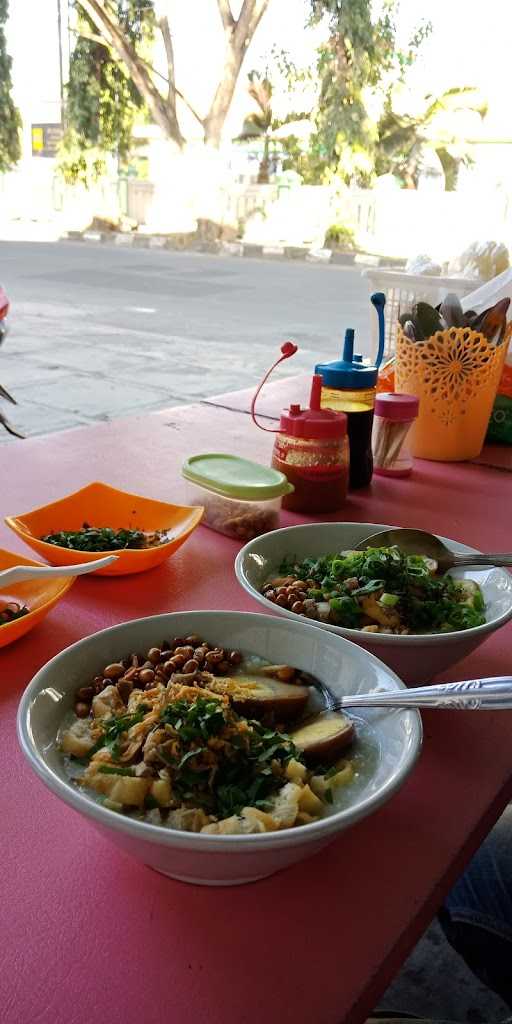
[350,386]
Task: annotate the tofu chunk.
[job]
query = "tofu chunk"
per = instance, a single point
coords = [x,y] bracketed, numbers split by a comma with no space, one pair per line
[122,789]
[107,703]
[378,613]
[250,821]
[77,740]
[286,805]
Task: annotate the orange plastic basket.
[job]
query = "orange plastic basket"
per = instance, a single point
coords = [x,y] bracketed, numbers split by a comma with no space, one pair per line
[455,374]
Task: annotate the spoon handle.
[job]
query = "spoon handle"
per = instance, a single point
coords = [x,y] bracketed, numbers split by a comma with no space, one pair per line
[504,558]
[29,572]
[471,695]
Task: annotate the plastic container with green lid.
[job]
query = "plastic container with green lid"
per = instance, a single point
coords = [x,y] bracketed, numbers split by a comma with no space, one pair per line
[241,498]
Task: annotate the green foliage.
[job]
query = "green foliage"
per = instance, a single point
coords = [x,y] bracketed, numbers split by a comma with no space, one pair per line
[259,124]
[10,120]
[339,235]
[302,160]
[78,162]
[264,125]
[403,138]
[102,102]
[359,57]
[359,62]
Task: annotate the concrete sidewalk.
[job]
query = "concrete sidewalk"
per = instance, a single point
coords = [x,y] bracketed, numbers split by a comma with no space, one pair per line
[192,243]
[99,332]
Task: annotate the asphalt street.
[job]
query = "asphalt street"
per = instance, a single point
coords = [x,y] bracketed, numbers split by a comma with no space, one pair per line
[99,331]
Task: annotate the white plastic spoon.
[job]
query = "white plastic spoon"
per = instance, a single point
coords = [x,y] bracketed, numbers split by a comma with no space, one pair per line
[31,572]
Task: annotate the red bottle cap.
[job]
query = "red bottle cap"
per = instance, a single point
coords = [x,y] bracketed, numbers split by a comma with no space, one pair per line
[395,406]
[313,422]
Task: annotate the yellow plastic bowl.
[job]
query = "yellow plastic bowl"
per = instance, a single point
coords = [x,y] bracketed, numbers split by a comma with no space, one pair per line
[101,505]
[38,595]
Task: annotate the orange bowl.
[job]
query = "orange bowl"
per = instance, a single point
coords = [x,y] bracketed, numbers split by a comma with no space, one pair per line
[100,505]
[38,595]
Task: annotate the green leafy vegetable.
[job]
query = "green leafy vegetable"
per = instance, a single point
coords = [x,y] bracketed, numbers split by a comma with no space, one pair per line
[112,730]
[244,775]
[197,721]
[104,538]
[424,602]
[346,610]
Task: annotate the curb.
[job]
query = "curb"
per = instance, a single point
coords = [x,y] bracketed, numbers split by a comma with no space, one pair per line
[181,243]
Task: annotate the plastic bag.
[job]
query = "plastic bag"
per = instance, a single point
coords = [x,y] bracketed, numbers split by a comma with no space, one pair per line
[423,265]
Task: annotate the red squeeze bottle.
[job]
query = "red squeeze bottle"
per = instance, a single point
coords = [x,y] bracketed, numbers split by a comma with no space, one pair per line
[311,449]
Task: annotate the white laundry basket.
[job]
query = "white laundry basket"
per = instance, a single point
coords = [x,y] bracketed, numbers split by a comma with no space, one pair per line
[403,290]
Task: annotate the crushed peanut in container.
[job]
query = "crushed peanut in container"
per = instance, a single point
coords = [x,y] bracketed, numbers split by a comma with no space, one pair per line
[241,499]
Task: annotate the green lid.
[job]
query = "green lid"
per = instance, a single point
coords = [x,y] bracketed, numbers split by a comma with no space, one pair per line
[236,478]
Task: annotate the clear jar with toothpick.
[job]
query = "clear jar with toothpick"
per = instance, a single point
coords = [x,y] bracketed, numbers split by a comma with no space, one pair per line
[394,416]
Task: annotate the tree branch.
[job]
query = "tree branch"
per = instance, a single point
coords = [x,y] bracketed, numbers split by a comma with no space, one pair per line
[225,12]
[108,46]
[91,37]
[248,21]
[163,109]
[187,104]
[163,25]
[110,29]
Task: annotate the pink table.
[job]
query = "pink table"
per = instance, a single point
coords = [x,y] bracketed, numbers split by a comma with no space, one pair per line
[88,934]
[278,394]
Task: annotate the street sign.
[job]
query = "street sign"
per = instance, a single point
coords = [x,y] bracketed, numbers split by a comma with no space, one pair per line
[46,139]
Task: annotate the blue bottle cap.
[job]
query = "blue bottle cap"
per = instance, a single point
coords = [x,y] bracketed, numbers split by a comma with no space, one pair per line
[349,372]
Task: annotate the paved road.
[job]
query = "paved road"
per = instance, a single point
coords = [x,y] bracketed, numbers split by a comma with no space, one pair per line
[99,331]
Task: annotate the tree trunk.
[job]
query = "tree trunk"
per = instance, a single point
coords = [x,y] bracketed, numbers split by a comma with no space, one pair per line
[264,168]
[238,36]
[162,111]
[206,163]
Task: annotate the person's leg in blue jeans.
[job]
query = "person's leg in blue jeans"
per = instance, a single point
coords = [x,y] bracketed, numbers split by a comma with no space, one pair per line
[477,914]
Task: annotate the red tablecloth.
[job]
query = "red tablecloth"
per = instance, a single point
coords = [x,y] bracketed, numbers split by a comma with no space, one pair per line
[89,934]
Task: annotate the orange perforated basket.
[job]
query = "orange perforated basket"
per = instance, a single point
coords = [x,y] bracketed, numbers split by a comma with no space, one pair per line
[455,374]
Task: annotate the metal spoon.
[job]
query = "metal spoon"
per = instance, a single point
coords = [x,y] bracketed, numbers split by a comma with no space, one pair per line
[31,572]
[471,695]
[419,542]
